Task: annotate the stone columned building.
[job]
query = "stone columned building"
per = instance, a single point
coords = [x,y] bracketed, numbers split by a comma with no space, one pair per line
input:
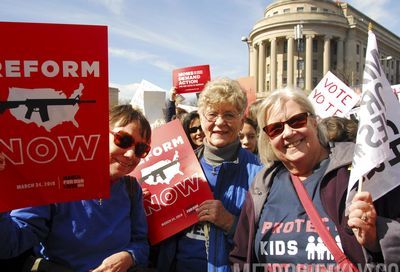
[298,41]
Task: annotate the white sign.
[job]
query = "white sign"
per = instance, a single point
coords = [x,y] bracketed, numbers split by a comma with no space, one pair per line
[377,153]
[331,97]
[148,98]
[154,103]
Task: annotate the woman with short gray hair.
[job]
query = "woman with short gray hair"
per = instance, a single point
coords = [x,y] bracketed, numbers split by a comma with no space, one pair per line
[229,170]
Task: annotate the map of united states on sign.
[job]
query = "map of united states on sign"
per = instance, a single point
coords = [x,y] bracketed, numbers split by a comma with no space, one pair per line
[46,107]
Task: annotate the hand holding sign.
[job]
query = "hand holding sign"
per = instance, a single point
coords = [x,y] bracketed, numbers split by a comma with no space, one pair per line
[214,212]
[362,218]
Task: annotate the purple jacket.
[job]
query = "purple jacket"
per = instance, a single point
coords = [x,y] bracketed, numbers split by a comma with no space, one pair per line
[333,197]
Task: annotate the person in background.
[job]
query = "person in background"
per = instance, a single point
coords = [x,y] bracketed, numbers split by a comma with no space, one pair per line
[253,110]
[172,111]
[351,127]
[180,114]
[229,170]
[293,143]
[340,129]
[157,123]
[194,132]
[98,234]
[171,107]
[248,135]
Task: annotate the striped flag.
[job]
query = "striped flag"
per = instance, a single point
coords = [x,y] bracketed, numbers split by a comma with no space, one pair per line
[377,152]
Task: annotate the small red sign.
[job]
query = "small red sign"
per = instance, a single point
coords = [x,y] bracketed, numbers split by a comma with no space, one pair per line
[173,175]
[190,79]
[53,113]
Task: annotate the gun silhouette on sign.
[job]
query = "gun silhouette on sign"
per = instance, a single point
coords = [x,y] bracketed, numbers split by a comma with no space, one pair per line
[159,171]
[40,105]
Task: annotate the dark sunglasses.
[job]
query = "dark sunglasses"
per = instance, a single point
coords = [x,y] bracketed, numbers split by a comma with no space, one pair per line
[195,129]
[125,140]
[296,121]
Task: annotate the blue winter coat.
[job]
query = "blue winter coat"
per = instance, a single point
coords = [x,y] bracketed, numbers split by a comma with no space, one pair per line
[233,182]
[79,234]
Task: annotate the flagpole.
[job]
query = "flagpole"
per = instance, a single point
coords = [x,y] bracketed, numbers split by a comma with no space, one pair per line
[360,180]
[360,183]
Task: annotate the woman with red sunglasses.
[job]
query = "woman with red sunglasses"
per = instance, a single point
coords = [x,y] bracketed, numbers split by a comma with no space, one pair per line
[91,235]
[274,229]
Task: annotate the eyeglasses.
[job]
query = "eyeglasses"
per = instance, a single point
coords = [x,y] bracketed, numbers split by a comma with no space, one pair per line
[125,140]
[195,129]
[227,116]
[296,121]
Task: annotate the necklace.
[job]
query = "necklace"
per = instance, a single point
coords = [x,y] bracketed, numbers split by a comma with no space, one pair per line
[100,201]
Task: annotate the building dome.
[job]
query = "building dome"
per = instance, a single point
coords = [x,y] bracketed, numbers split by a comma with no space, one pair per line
[330,36]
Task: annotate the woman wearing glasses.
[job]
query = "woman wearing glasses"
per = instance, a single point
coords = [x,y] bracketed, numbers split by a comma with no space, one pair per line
[194,132]
[91,235]
[274,230]
[229,170]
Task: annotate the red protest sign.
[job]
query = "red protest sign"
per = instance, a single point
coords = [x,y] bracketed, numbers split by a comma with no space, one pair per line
[190,79]
[54,113]
[173,175]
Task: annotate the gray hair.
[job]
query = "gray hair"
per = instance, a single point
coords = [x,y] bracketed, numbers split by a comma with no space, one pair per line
[275,102]
[223,90]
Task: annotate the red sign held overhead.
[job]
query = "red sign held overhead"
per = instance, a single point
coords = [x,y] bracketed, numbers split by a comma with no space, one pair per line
[175,180]
[190,79]
[53,113]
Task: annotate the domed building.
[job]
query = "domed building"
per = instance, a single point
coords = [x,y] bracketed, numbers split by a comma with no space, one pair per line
[299,41]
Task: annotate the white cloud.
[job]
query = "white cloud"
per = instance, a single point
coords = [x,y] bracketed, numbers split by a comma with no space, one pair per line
[164,65]
[232,72]
[256,7]
[159,39]
[379,11]
[132,56]
[126,92]
[129,91]
[115,6]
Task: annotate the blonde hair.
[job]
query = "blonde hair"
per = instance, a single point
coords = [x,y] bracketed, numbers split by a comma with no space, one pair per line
[222,90]
[275,102]
[253,109]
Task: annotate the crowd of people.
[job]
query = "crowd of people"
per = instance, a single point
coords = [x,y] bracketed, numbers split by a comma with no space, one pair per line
[260,163]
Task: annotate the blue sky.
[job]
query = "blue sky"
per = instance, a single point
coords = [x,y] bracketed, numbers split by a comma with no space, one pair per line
[149,38]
